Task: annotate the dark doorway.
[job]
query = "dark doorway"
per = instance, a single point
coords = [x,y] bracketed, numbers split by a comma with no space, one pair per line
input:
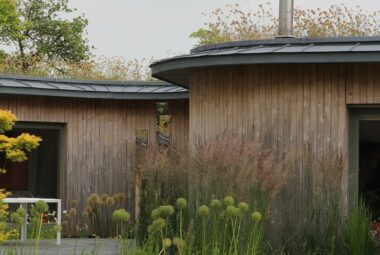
[39,175]
[369,164]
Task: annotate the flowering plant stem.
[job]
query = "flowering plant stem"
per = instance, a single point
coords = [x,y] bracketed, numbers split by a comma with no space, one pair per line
[204,246]
[256,235]
[180,224]
[233,241]
[38,233]
[214,230]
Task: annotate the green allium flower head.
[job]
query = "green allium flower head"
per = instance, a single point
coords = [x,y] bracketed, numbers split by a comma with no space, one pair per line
[15,217]
[181,203]
[244,207]
[228,200]
[125,216]
[41,206]
[215,203]
[57,228]
[121,215]
[178,242]
[155,214]
[21,212]
[151,229]
[256,216]
[33,211]
[166,210]
[159,223]
[230,210]
[203,211]
[166,243]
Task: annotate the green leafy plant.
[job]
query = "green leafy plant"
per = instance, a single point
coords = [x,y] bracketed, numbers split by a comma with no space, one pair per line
[357,231]
[12,149]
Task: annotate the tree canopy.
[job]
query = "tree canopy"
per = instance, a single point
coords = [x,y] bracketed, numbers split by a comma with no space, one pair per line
[40,42]
[233,24]
[37,32]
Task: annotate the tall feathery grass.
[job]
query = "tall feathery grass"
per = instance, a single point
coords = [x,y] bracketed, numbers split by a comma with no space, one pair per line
[215,168]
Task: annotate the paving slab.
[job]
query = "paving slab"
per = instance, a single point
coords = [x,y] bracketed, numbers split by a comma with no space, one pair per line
[67,247]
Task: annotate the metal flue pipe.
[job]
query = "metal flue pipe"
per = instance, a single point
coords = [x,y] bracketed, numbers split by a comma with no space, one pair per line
[285,19]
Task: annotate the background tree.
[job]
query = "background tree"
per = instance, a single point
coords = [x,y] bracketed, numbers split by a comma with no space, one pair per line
[233,24]
[39,42]
[37,32]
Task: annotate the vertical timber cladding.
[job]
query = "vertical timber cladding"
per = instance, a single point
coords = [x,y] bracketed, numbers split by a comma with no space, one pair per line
[282,106]
[100,139]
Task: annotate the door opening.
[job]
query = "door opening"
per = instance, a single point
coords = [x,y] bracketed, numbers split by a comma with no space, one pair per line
[369,164]
[39,175]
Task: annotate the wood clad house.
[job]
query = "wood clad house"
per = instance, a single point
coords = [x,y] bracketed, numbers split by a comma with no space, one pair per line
[89,133]
[288,92]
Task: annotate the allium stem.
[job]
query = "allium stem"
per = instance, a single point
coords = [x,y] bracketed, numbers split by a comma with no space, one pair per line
[204,250]
[180,224]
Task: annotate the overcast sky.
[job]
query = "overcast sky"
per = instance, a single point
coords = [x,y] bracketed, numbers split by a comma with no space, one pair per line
[159,28]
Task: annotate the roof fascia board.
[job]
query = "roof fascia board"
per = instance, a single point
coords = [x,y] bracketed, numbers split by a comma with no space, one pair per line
[94,95]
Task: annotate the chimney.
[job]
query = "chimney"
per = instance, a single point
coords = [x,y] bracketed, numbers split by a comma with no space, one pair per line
[285,19]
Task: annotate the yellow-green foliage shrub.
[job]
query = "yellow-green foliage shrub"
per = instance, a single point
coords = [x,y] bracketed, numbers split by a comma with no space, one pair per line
[13,149]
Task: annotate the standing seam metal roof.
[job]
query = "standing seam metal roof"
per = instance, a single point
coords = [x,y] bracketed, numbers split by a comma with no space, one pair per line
[282,50]
[147,90]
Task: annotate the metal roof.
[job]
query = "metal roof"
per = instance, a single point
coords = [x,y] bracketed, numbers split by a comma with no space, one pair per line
[277,51]
[146,90]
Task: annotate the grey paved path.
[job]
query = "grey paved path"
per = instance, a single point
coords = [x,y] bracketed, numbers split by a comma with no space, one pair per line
[68,247]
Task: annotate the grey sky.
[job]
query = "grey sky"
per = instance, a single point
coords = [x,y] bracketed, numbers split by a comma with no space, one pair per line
[159,28]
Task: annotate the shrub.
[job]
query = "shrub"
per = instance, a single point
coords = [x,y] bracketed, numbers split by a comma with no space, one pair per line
[13,149]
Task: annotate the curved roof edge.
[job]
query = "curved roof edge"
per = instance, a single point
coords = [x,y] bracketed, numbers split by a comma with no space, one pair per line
[276,51]
[102,89]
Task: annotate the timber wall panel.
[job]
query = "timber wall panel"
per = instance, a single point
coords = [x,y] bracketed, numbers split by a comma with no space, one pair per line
[284,107]
[100,139]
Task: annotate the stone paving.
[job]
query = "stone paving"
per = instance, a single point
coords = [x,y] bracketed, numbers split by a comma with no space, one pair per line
[68,247]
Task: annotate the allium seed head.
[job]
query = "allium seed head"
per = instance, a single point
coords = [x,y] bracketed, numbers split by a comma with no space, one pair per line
[228,200]
[181,203]
[103,197]
[73,211]
[215,203]
[178,242]
[88,209]
[41,206]
[155,214]
[203,211]
[151,229]
[121,215]
[159,223]
[166,243]
[230,210]
[166,210]
[256,217]
[110,201]
[73,203]
[244,207]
